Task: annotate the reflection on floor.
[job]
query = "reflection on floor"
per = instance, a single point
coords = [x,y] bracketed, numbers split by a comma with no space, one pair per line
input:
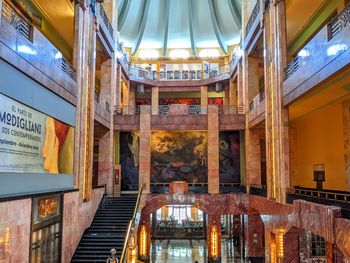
[190,251]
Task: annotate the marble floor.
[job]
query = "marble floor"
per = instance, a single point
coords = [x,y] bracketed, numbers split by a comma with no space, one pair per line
[189,251]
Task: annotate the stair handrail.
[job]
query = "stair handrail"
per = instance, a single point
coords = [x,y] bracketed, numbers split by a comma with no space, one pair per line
[131,224]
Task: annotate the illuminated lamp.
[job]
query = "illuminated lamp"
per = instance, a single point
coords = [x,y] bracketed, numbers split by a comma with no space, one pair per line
[279,243]
[218,87]
[140,89]
[143,242]
[214,242]
[132,251]
[273,251]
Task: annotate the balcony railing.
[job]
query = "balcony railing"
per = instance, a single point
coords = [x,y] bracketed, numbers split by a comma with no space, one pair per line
[68,69]
[252,18]
[258,99]
[17,20]
[106,21]
[322,194]
[186,110]
[339,22]
[138,73]
[23,25]
[334,27]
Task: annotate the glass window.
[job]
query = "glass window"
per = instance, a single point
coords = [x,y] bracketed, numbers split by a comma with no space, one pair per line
[318,246]
[149,53]
[179,53]
[209,53]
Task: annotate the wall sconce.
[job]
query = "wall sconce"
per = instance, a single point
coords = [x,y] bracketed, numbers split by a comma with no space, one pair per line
[214,242]
[319,175]
[273,251]
[143,242]
[280,245]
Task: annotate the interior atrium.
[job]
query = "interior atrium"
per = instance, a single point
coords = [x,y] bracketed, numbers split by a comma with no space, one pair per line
[164,131]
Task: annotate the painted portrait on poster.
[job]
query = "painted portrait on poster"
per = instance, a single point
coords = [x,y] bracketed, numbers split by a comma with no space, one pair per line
[229,157]
[32,142]
[129,160]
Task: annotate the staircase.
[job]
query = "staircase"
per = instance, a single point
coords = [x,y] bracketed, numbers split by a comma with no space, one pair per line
[107,229]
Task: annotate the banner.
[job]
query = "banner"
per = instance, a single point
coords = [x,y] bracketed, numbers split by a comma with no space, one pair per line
[33,142]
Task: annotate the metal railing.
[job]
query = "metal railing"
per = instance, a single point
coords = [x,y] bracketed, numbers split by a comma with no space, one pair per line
[132,223]
[322,194]
[138,73]
[232,109]
[252,18]
[17,20]
[292,67]
[339,22]
[257,100]
[106,21]
[67,68]
[127,110]
[25,27]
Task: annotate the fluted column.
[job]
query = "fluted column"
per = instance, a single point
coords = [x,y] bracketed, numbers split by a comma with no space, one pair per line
[84,61]
[276,116]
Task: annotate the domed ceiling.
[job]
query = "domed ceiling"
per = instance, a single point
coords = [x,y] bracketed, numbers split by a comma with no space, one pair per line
[169,24]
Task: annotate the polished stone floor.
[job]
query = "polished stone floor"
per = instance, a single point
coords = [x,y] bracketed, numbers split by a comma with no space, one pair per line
[188,251]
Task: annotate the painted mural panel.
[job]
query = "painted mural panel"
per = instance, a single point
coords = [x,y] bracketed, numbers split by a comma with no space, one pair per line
[229,149]
[129,160]
[179,156]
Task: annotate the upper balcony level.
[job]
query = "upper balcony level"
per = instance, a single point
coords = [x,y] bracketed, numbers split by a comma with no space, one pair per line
[179,117]
[197,76]
[26,48]
[325,55]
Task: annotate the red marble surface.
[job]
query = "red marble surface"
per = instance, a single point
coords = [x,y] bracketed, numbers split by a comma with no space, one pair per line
[77,216]
[306,216]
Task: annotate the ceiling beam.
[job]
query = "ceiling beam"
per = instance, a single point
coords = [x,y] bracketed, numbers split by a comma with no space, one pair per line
[190,20]
[144,16]
[216,26]
[123,14]
[236,14]
[166,26]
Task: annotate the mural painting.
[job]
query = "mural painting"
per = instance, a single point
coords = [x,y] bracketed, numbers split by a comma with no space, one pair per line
[179,156]
[229,163]
[129,160]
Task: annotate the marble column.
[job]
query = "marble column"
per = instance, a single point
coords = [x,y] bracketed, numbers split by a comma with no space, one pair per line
[204,99]
[145,148]
[329,252]
[233,101]
[106,153]
[155,100]
[240,87]
[346,128]
[276,116]
[252,157]
[213,149]
[84,57]
[132,99]
[254,228]
[119,86]
[106,143]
